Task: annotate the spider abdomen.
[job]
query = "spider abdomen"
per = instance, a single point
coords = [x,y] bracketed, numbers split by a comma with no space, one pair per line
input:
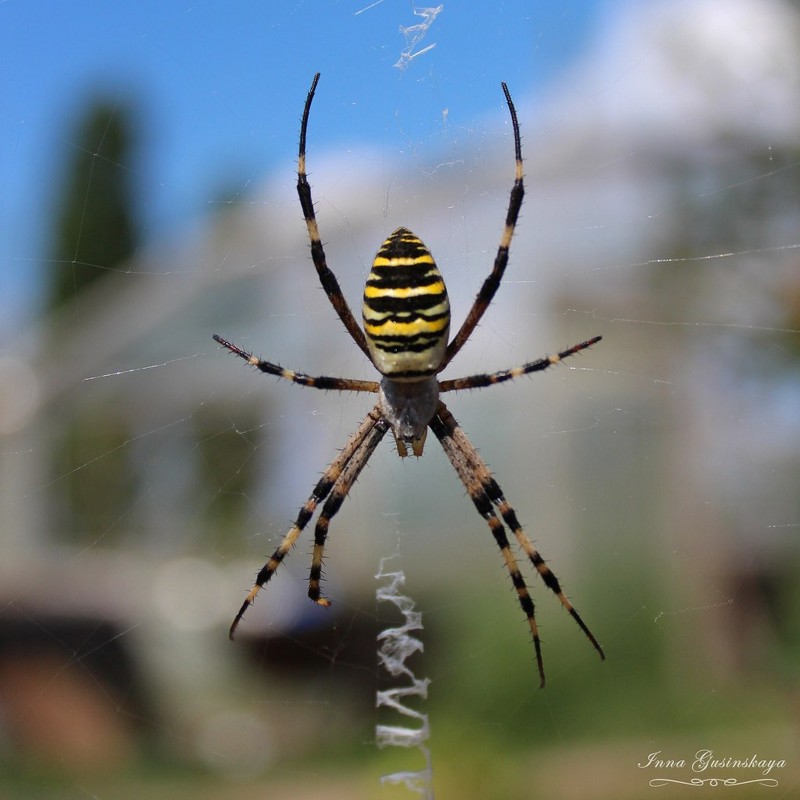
[406,309]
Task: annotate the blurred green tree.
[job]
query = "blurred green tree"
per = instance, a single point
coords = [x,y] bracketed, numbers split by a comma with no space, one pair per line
[95,228]
[94,234]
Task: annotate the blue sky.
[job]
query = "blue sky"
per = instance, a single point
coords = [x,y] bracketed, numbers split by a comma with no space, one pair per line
[217,89]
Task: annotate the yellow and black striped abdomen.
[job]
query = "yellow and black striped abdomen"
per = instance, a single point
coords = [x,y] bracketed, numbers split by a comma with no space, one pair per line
[406,310]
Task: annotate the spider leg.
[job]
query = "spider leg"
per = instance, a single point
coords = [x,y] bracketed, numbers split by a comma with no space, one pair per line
[323,488]
[492,282]
[320,382]
[482,380]
[446,430]
[495,494]
[326,277]
[340,490]
[473,471]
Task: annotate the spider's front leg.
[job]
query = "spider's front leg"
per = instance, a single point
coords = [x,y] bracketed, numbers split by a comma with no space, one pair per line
[339,491]
[339,473]
[444,427]
[486,493]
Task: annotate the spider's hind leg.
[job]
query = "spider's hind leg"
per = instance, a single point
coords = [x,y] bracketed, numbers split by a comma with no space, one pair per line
[326,276]
[492,282]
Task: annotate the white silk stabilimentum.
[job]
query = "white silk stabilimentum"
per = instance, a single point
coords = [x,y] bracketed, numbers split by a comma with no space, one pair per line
[396,645]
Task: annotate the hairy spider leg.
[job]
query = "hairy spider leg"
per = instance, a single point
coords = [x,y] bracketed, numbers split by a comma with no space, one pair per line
[492,282]
[326,277]
[340,489]
[320,382]
[321,491]
[501,376]
[486,493]
[444,433]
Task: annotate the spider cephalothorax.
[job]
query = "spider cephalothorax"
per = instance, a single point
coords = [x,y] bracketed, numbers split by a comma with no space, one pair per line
[406,330]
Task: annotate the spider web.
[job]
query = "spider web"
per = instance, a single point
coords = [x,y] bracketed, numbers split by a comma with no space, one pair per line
[657,473]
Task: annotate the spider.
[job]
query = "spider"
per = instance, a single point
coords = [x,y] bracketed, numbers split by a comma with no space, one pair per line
[405,336]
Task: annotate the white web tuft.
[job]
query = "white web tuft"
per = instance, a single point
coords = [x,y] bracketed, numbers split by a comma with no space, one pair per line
[415,33]
[396,646]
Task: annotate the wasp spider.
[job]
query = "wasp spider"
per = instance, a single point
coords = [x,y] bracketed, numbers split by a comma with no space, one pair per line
[406,316]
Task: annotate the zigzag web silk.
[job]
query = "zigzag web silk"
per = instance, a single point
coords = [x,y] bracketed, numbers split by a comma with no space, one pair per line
[395,646]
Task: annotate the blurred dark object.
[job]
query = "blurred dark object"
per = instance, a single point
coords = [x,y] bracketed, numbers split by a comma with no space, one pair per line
[70,694]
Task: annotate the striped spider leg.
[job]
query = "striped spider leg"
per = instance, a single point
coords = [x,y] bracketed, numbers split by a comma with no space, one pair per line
[331,488]
[492,283]
[405,335]
[326,277]
[486,493]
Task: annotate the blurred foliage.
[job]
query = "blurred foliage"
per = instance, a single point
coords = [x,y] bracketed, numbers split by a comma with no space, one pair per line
[93,496]
[94,235]
[95,230]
